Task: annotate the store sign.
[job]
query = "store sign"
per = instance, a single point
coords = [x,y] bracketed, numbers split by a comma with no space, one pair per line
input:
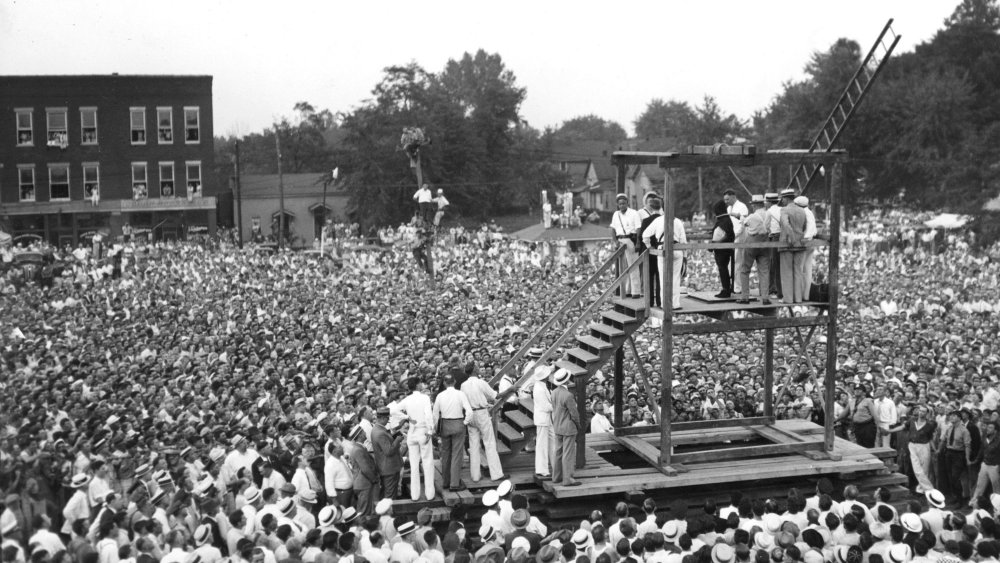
[165,204]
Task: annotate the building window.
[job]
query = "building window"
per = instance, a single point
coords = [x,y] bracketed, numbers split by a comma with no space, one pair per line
[25,131]
[88,126]
[194,178]
[138,119]
[139,189]
[26,181]
[58,182]
[58,133]
[164,125]
[192,125]
[167,179]
[91,180]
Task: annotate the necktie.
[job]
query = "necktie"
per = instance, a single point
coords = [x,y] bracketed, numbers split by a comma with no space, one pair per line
[951,438]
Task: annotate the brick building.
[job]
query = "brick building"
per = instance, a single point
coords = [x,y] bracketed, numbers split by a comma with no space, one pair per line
[111,154]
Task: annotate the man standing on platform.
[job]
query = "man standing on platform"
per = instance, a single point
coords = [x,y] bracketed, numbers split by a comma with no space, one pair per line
[565,425]
[738,211]
[541,396]
[864,416]
[756,228]
[386,449]
[481,435]
[625,225]
[793,227]
[652,210]
[808,235]
[653,235]
[452,413]
[417,408]
[771,200]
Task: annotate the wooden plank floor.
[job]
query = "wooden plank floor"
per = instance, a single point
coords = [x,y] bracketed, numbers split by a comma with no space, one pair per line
[603,479]
[853,459]
[693,306]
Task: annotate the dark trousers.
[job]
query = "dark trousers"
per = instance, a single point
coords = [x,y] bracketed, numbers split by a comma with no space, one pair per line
[390,485]
[654,281]
[724,261]
[775,285]
[865,433]
[366,498]
[345,496]
[452,450]
[427,211]
[957,471]
[563,458]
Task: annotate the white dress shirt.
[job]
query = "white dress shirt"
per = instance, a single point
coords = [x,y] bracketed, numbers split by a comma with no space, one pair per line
[626,223]
[478,392]
[451,404]
[417,408]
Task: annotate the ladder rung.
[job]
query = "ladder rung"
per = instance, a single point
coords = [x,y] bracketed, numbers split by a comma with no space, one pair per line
[857,85]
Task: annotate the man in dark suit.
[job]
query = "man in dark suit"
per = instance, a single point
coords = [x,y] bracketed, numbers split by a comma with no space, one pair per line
[366,474]
[386,450]
[565,426]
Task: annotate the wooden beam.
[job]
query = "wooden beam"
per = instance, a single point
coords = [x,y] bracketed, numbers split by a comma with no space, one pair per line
[619,158]
[747,451]
[833,279]
[759,323]
[678,160]
[650,398]
[647,452]
[667,328]
[769,372]
[707,245]
[698,425]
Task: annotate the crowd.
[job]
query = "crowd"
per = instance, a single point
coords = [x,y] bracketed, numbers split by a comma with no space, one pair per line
[182,404]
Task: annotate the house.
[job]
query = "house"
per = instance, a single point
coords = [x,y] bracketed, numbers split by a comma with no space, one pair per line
[106,154]
[304,205]
[591,176]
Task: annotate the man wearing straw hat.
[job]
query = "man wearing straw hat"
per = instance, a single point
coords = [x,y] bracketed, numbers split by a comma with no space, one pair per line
[565,426]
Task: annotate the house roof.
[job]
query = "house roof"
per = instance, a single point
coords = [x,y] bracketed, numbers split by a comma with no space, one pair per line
[538,233]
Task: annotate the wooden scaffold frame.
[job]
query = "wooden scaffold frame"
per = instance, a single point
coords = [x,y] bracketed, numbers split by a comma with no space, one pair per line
[768,318]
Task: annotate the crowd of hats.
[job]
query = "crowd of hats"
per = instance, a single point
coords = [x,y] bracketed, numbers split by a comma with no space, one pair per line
[191,347]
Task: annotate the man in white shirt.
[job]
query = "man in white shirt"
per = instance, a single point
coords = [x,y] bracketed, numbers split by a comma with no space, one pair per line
[541,397]
[738,211]
[417,409]
[599,422]
[78,506]
[481,396]
[240,458]
[755,228]
[337,478]
[452,413]
[886,415]
[771,204]
[810,233]
[657,231]
[625,225]
[425,201]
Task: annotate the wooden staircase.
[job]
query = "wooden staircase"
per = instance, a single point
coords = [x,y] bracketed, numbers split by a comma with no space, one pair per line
[595,344]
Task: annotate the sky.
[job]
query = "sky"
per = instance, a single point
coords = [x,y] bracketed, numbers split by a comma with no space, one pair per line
[574,58]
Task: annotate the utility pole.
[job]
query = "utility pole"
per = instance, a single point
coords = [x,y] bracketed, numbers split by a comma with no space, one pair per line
[239,199]
[281,190]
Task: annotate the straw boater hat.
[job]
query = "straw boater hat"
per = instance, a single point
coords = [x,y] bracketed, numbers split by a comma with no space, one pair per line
[79,480]
[560,377]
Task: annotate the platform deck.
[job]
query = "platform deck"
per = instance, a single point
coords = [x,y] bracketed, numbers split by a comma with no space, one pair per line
[705,303]
[603,480]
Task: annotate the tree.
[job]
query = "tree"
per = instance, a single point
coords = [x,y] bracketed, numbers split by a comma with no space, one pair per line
[589,128]
[665,119]
[482,153]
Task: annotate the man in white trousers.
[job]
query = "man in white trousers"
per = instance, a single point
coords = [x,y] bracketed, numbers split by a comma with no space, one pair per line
[653,238]
[542,398]
[417,408]
[481,396]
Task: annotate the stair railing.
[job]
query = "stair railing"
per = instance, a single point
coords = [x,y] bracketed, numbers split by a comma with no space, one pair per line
[641,263]
[613,260]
